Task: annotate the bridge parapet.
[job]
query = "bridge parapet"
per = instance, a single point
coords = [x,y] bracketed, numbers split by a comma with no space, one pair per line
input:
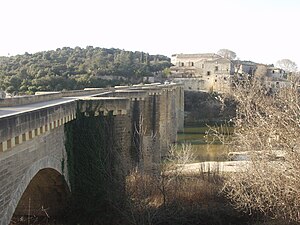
[47,96]
[104,105]
[28,99]
[86,91]
[128,93]
[18,128]
[15,129]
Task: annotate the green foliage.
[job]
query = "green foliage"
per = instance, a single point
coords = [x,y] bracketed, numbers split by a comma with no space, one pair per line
[77,68]
[167,72]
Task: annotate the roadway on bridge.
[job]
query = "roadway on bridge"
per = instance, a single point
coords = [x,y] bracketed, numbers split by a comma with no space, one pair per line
[7,111]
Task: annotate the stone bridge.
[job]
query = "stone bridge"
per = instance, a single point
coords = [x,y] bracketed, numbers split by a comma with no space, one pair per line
[35,177]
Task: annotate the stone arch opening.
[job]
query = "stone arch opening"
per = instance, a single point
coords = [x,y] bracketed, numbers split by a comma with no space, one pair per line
[45,196]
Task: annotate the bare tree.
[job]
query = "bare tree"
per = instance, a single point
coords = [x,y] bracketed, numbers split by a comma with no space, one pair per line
[226,53]
[267,126]
[287,65]
[152,193]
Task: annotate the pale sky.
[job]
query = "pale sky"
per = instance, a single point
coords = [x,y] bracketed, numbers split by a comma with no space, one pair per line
[263,31]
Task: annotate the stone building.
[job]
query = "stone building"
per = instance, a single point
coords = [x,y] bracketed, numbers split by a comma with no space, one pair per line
[275,72]
[212,72]
[244,67]
[188,60]
[202,72]
[217,66]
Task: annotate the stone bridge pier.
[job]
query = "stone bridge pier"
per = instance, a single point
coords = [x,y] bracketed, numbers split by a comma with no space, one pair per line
[156,115]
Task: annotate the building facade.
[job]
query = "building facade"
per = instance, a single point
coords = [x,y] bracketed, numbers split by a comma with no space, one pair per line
[211,72]
[202,72]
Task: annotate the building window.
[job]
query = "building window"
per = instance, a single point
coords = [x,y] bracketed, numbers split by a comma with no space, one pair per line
[182,64]
[216,68]
[192,63]
[202,66]
[208,73]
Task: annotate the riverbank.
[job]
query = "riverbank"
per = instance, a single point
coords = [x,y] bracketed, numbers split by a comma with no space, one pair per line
[177,198]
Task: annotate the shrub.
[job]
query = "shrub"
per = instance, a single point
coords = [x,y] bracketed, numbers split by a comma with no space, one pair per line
[267,125]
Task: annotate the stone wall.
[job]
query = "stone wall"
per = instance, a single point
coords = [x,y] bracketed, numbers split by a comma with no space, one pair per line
[33,150]
[47,96]
[202,72]
[123,144]
[191,59]
[22,163]
[157,113]
[206,83]
[86,91]
[28,99]
[145,136]
[19,128]
[104,105]
[180,107]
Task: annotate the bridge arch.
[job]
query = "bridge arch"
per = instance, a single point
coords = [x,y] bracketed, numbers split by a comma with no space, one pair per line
[41,187]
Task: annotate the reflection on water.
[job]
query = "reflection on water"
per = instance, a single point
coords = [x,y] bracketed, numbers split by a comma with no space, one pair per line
[204,148]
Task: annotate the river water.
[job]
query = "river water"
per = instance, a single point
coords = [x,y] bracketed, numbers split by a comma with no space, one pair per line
[205,147]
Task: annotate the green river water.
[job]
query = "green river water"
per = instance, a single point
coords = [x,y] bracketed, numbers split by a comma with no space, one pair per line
[205,147]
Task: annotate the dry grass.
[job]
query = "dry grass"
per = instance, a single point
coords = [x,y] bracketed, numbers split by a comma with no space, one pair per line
[179,199]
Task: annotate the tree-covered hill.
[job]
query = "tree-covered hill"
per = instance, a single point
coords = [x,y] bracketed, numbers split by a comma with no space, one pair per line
[76,68]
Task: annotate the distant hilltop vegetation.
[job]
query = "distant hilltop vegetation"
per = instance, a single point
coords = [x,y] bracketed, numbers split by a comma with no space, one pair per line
[77,68]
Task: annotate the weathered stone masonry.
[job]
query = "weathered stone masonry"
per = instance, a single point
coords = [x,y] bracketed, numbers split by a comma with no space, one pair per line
[32,144]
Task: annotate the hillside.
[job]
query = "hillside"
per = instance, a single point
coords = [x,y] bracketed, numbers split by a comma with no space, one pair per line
[77,68]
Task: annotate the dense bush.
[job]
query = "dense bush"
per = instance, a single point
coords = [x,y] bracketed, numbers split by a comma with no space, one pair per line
[69,68]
